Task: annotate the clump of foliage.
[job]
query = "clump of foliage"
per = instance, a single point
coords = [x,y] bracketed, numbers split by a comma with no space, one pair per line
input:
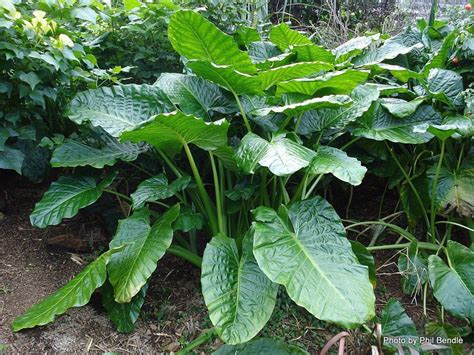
[42,66]
[238,153]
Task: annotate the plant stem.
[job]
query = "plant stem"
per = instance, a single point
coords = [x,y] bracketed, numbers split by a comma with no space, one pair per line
[217,192]
[242,112]
[201,339]
[313,186]
[113,192]
[185,254]
[206,200]
[169,163]
[415,191]
[394,227]
[433,193]
[421,245]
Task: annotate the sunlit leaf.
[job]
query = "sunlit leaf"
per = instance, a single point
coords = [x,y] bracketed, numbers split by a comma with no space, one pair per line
[314,261]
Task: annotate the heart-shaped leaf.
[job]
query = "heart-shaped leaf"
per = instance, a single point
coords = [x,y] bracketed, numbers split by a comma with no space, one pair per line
[281,155]
[453,188]
[314,261]
[336,119]
[172,131]
[238,295]
[330,160]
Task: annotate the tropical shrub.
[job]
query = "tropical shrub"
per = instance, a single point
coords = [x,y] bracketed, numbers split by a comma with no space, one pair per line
[235,153]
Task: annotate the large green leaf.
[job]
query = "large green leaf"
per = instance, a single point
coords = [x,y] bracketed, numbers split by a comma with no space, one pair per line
[118,108]
[281,155]
[329,101]
[379,124]
[453,188]
[341,82]
[194,95]
[330,160]
[314,261]
[75,293]
[238,295]
[284,37]
[414,270]
[72,153]
[273,76]
[171,131]
[312,53]
[261,346]
[323,119]
[396,324]
[123,315]
[227,77]
[453,286]
[446,86]
[130,269]
[65,197]
[195,37]
[157,188]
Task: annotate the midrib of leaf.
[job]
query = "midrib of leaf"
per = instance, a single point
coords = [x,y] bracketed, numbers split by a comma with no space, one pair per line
[196,35]
[237,291]
[135,260]
[315,265]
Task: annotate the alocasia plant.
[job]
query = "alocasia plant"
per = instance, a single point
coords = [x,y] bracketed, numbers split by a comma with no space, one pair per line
[241,143]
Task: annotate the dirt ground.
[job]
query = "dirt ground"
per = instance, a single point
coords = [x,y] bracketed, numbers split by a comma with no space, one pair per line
[173,314]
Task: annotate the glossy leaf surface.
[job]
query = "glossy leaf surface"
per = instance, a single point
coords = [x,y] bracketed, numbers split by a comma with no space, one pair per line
[314,261]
